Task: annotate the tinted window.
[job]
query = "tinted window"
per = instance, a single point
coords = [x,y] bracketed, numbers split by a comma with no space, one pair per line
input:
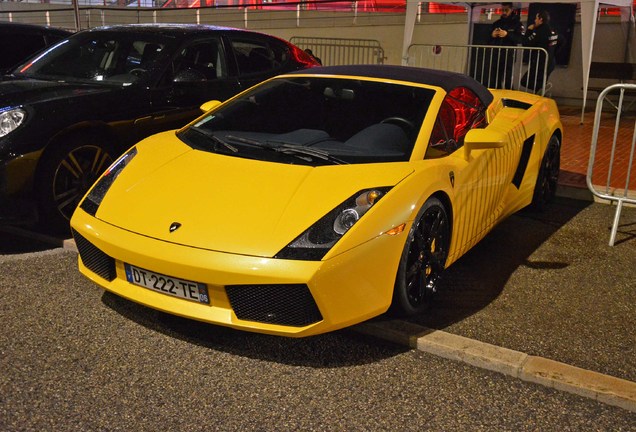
[356,121]
[200,61]
[256,56]
[99,58]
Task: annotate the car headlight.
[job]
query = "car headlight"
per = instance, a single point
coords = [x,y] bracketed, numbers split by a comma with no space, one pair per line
[11,119]
[316,241]
[91,203]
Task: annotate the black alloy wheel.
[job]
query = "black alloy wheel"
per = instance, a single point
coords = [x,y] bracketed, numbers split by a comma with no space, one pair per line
[423,259]
[68,172]
[548,177]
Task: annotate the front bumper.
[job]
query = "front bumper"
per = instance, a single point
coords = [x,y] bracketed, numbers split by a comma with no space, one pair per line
[265,295]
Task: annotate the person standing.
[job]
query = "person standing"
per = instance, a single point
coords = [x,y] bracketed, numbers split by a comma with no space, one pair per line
[311,53]
[539,35]
[505,32]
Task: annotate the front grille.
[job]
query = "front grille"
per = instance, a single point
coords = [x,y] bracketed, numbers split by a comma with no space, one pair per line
[94,259]
[290,305]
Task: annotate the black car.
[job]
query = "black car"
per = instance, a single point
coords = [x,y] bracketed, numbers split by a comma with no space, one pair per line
[20,41]
[67,114]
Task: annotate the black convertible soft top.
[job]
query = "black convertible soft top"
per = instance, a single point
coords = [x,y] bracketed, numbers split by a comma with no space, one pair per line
[446,80]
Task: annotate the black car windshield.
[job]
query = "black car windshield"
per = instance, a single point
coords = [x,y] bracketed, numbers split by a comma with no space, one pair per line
[112,58]
[317,121]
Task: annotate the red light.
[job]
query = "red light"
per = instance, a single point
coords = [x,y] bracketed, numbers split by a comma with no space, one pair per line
[26,67]
[300,56]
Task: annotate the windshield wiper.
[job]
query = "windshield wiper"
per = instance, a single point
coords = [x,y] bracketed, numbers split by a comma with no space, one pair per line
[250,141]
[299,150]
[304,153]
[216,139]
[224,143]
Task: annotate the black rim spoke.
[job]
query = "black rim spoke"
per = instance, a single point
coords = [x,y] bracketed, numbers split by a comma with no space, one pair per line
[419,238]
[552,169]
[427,255]
[75,175]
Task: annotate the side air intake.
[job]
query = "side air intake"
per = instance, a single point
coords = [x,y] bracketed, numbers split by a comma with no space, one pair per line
[94,259]
[290,305]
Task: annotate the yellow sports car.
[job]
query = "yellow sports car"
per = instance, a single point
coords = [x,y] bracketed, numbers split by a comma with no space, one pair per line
[317,199]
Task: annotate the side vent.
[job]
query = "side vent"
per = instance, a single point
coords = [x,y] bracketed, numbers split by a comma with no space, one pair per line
[94,259]
[523,161]
[511,103]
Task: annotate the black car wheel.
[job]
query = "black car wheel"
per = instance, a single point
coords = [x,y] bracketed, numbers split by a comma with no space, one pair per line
[423,259]
[548,177]
[67,172]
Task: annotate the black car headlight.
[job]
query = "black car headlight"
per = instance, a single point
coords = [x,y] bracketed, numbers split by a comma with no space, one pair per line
[91,203]
[11,119]
[318,239]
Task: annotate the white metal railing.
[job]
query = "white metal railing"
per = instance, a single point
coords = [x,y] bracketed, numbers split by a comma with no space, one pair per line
[335,51]
[610,192]
[517,68]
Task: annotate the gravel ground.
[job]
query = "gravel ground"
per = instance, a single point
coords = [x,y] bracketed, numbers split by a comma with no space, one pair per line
[76,358]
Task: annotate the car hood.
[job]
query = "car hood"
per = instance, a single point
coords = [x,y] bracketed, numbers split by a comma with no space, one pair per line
[29,91]
[231,204]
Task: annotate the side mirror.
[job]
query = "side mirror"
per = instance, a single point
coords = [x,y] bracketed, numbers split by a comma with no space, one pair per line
[480,139]
[210,105]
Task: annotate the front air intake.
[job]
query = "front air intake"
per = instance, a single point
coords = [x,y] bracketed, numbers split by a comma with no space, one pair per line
[290,305]
[94,259]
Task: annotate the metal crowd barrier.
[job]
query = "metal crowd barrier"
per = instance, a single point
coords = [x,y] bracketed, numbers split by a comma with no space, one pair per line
[610,192]
[334,51]
[516,68]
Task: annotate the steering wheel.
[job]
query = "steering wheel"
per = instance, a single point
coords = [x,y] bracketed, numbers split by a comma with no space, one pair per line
[405,124]
[137,71]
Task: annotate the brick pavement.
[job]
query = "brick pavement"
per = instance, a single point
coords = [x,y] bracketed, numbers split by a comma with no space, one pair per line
[575,151]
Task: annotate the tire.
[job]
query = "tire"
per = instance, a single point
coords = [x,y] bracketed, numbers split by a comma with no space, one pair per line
[548,177]
[66,173]
[423,260]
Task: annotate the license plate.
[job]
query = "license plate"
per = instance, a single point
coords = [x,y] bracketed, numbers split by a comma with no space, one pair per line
[169,285]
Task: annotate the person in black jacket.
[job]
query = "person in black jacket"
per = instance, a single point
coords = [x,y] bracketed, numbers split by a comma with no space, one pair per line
[505,32]
[539,35]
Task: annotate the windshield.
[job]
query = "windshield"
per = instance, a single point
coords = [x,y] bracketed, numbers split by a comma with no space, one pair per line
[317,121]
[118,58]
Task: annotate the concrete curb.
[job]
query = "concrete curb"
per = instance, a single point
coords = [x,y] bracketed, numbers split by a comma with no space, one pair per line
[549,373]
[582,193]
[574,192]
[69,244]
